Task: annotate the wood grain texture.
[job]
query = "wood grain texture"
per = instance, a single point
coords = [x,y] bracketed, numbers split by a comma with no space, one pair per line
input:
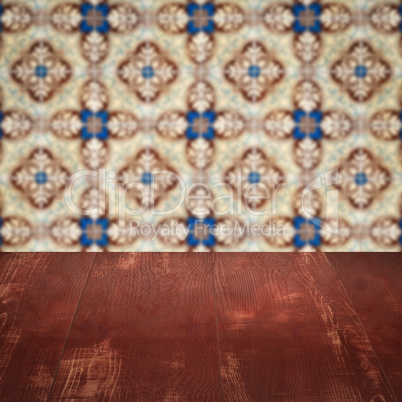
[39,294]
[232,326]
[288,332]
[145,330]
[373,283]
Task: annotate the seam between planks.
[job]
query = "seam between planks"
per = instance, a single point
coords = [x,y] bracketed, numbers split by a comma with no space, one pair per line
[216,322]
[362,327]
[69,329]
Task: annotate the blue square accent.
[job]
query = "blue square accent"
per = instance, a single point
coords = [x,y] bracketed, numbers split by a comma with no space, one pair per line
[103,26]
[101,135]
[209,115]
[192,241]
[103,223]
[298,242]
[209,28]
[298,134]
[298,27]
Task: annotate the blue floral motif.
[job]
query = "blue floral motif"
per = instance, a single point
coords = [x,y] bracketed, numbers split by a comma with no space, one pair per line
[148,72]
[254,178]
[361,71]
[300,132]
[361,179]
[299,26]
[192,116]
[102,133]
[147,178]
[102,224]
[192,10]
[101,25]
[299,224]
[41,71]
[41,178]
[1,28]
[254,71]
[207,223]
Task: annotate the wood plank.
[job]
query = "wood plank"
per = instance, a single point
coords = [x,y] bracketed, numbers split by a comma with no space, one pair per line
[145,330]
[373,283]
[39,294]
[288,332]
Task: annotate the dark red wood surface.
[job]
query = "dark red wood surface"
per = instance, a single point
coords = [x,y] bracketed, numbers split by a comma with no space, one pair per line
[288,332]
[229,326]
[145,328]
[373,283]
[39,293]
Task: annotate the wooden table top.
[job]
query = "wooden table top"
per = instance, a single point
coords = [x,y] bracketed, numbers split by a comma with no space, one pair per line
[218,326]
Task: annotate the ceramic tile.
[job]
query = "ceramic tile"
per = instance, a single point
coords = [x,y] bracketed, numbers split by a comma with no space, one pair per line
[122,121]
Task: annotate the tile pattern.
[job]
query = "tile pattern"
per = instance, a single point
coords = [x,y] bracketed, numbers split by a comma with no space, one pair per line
[201,125]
